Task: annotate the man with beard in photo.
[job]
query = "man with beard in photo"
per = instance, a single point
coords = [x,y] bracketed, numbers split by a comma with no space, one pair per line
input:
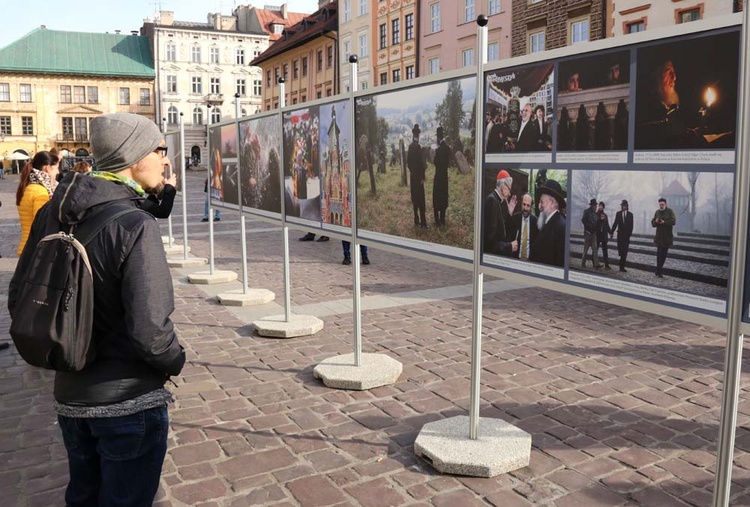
[528,132]
[549,247]
[498,210]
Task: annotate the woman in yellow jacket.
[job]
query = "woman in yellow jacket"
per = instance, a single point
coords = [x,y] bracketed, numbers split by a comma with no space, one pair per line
[38,181]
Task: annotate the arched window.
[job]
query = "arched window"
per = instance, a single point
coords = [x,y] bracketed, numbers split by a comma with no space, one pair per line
[197,116]
[215,115]
[172,115]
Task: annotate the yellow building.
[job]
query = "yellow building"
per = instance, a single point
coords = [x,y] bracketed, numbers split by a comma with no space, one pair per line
[306,55]
[394,37]
[53,82]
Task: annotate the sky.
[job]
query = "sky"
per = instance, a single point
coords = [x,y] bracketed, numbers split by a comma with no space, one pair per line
[21,17]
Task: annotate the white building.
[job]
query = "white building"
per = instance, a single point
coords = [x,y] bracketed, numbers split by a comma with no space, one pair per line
[355,27]
[200,67]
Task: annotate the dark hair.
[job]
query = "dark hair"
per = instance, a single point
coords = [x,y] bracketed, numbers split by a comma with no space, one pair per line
[661,199]
[41,159]
[538,108]
[82,167]
[601,203]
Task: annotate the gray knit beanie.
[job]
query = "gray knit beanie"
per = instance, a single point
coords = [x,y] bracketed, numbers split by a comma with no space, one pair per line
[121,140]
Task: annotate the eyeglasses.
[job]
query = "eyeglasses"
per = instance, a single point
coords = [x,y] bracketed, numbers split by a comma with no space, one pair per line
[162,149]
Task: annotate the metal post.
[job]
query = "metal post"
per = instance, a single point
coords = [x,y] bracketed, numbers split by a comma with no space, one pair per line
[184,190]
[356,256]
[284,226]
[208,196]
[733,354]
[170,236]
[478,292]
[243,239]
[237,109]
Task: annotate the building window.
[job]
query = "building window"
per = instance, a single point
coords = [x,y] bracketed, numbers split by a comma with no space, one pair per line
[197,116]
[171,53]
[286,71]
[215,115]
[240,57]
[494,7]
[638,26]
[171,84]
[493,51]
[79,94]
[347,50]
[396,75]
[5,92]
[434,64]
[383,36]
[27,126]
[145,97]
[24,92]
[318,95]
[435,17]
[240,88]
[467,57]
[256,53]
[195,54]
[536,1]
[469,11]
[364,85]
[329,63]
[320,60]
[93,93]
[66,96]
[5,125]
[304,66]
[363,45]
[347,11]
[172,115]
[536,42]
[197,84]
[328,92]
[257,87]
[214,55]
[410,72]
[268,79]
[82,129]
[689,15]
[67,127]
[215,84]
[409,26]
[124,96]
[276,74]
[295,69]
[395,31]
[362,7]
[383,78]
[579,31]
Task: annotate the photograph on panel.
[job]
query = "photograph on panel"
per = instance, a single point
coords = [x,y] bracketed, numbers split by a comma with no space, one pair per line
[524,219]
[593,103]
[175,157]
[686,94]
[518,112]
[301,164]
[224,171]
[415,162]
[665,229]
[260,164]
[335,163]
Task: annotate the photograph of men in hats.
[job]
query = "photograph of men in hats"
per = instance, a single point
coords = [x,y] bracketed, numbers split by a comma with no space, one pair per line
[549,247]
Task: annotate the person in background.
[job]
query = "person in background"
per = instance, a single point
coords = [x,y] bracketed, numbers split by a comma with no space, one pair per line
[624,227]
[217,211]
[82,167]
[602,233]
[664,220]
[35,187]
[347,245]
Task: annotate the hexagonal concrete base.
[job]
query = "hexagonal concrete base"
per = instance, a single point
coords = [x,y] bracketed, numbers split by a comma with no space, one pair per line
[276,326]
[250,298]
[175,249]
[190,262]
[208,278]
[499,448]
[375,370]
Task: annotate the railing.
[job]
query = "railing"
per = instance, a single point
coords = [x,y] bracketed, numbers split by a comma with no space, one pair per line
[73,138]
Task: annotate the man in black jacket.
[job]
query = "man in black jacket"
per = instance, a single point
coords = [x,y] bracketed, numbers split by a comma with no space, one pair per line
[549,247]
[113,413]
[624,227]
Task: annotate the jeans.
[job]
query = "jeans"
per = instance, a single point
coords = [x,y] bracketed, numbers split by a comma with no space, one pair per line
[348,249]
[217,211]
[115,461]
[661,257]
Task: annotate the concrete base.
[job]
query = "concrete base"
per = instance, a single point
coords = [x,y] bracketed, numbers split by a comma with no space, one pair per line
[208,278]
[499,448]
[375,370]
[175,249]
[190,262]
[250,298]
[275,326]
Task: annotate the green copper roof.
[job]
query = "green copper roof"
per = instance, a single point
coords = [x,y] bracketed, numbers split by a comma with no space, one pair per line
[57,52]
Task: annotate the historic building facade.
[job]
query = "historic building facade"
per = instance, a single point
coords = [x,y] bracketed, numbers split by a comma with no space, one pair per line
[355,38]
[632,16]
[395,41]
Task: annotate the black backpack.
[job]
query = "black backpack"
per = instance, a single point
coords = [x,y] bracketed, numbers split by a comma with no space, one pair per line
[52,321]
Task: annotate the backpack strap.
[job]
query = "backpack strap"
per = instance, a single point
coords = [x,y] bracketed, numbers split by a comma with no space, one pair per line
[94,223]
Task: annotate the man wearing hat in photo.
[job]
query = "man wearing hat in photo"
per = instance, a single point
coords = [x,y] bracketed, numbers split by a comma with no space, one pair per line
[590,220]
[113,413]
[549,247]
[624,226]
[440,183]
[498,210]
[417,167]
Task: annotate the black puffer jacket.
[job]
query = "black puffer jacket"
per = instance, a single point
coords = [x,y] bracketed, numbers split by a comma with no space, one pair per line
[136,346]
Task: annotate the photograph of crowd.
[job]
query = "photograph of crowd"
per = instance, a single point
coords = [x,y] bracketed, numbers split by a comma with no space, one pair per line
[302,164]
[335,163]
[593,102]
[414,162]
[686,93]
[524,215]
[175,157]
[224,170]
[667,229]
[518,109]
[260,164]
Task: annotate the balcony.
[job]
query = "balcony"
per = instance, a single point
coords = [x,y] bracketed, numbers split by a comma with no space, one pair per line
[73,138]
[215,99]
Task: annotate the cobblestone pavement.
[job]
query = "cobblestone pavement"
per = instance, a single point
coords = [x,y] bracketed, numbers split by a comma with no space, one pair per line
[622,406]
